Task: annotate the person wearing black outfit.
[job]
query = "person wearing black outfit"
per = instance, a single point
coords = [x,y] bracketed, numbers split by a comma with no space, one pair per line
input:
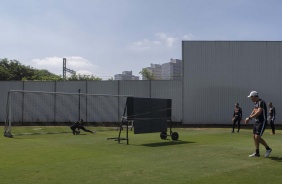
[271,117]
[237,117]
[259,114]
[79,125]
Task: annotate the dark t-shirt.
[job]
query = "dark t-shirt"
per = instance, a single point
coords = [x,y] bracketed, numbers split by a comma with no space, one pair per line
[237,113]
[261,104]
[77,124]
[272,112]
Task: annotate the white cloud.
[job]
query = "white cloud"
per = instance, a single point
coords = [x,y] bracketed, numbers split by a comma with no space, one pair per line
[55,65]
[144,44]
[168,41]
[84,72]
[161,41]
[189,37]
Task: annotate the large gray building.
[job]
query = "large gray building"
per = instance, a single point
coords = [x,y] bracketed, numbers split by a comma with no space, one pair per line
[219,73]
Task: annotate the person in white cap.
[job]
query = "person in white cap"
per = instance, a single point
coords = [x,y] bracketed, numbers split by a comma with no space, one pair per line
[259,113]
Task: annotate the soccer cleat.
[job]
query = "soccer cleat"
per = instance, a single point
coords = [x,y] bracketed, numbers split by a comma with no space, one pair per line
[254,155]
[93,132]
[267,153]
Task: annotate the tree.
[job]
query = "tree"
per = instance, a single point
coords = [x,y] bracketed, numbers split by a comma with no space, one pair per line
[147,74]
[4,74]
[45,75]
[14,70]
[83,77]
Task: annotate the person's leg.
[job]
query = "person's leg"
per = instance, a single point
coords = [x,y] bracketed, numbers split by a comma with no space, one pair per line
[272,126]
[233,125]
[239,125]
[261,140]
[73,129]
[85,130]
[268,149]
[256,141]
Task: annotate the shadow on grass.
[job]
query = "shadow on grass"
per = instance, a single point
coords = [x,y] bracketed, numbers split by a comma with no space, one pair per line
[277,159]
[169,143]
[39,133]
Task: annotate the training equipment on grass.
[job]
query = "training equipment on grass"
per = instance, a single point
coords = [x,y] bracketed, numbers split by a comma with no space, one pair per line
[39,112]
[149,115]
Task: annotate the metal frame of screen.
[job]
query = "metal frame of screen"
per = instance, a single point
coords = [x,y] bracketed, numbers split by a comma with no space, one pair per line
[149,115]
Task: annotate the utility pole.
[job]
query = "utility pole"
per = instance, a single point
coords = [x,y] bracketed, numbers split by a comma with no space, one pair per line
[65,69]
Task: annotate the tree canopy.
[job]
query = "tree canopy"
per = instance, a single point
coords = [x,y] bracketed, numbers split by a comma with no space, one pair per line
[14,70]
[147,74]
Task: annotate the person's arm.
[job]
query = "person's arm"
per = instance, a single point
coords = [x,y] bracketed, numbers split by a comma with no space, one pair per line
[241,114]
[254,114]
[274,113]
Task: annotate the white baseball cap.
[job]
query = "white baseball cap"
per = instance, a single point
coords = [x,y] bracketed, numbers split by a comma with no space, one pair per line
[253,93]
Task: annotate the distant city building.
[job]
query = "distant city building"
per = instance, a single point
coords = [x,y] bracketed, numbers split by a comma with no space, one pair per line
[156,70]
[167,71]
[172,70]
[126,75]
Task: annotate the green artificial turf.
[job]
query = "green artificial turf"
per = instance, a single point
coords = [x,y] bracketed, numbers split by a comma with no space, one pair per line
[211,155]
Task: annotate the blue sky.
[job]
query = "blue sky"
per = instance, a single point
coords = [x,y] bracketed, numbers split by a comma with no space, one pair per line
[106,37]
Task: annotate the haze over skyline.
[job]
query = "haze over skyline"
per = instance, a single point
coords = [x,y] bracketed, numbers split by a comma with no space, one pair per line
[106,37]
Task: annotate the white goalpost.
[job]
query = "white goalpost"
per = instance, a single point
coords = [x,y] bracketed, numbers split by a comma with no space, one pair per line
[40,112]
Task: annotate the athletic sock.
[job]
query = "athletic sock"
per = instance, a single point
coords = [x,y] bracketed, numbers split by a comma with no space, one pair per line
[267,148]
[257,151]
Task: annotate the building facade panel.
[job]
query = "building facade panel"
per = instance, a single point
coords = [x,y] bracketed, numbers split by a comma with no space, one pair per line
[133,88]
[39,86]
[70,108]
[219,73]
[103,108]
[169,90]
[39,108]
[5,87]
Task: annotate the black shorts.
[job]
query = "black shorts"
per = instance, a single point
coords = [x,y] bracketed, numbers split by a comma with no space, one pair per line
[259,128]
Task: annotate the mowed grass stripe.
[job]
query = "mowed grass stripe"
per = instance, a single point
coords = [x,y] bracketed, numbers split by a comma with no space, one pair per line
[211,155]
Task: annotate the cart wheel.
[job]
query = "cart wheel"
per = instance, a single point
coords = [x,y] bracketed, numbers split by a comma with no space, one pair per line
[174,136]
[163,135]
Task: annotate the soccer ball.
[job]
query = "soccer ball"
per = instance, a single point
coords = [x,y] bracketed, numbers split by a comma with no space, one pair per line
[77,132]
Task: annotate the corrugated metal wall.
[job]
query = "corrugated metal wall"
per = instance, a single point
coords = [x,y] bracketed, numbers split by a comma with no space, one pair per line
[92,109]
[5,87]
[167,89]
[219,73]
